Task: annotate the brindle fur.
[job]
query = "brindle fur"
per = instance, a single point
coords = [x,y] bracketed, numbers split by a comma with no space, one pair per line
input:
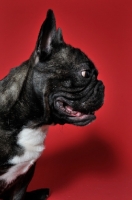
[29,96]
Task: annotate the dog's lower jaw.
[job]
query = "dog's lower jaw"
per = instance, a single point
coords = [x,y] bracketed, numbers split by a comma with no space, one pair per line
[78,121]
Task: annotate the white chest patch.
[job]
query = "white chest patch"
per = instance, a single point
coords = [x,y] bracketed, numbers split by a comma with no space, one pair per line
[32,142]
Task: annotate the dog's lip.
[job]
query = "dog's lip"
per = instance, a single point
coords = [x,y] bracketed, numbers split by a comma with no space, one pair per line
[66,109]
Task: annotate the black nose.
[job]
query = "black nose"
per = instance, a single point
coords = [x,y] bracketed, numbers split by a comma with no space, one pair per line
[98,95]
[99,88]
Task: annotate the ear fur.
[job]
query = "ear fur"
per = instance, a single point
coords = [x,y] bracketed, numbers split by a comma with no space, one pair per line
[59,36]
[46,36]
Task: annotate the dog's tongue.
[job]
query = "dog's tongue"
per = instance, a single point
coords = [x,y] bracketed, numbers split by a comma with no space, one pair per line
[72,112]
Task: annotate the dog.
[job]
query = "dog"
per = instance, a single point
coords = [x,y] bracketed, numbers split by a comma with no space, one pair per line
[58,84]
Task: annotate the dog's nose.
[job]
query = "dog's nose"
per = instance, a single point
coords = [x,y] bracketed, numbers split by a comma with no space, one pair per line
[99,87]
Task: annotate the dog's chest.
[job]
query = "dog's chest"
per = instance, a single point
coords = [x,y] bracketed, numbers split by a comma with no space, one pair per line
[31,140]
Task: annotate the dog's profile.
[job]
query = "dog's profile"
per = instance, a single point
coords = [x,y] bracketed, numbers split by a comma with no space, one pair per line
[57,85]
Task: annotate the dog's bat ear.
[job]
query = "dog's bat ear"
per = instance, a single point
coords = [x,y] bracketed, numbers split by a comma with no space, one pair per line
[46,36]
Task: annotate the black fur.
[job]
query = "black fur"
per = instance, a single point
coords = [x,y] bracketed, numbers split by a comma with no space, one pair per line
[48,88]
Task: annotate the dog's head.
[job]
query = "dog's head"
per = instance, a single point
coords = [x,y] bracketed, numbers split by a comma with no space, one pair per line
[64,78]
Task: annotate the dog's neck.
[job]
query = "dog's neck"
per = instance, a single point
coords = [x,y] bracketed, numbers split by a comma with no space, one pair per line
[25,108]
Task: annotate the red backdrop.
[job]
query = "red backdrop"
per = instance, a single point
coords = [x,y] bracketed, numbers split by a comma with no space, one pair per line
[92,162]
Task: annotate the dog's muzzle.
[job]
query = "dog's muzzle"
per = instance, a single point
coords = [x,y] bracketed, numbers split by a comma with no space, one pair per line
[79,107]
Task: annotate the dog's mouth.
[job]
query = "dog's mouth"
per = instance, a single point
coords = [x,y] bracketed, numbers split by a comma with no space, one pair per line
[73,116]
[67,109]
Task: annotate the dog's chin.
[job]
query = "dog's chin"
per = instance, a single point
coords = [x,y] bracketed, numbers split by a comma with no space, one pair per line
[66,114]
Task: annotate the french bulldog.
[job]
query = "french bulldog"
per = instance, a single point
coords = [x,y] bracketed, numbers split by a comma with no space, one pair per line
[57,85]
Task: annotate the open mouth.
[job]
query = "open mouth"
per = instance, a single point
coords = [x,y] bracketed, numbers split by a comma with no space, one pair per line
[65,109]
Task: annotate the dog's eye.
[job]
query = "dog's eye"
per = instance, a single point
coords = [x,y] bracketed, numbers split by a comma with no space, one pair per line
[85,74]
